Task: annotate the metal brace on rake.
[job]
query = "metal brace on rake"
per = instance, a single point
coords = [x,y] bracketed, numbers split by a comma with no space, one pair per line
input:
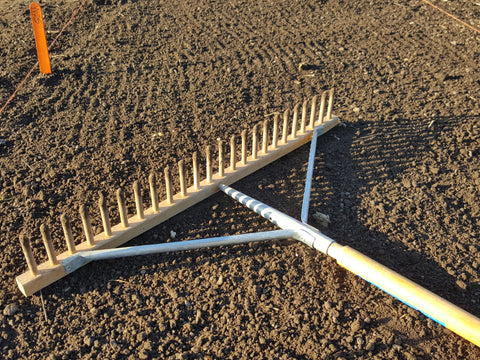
[412,294]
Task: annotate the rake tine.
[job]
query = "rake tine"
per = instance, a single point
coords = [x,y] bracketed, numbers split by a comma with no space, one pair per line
[220,159]
[122,208]
[244,147]
[195,171]
[102,203]
[295,121]
[67,230]
[87,226]
[27,251]
[286,115]
[208,164]
[47,241]
[265,137]
[275,132]
[137,194]
[181,175]
[304,117]
[152,182]
[254,142]
[313,111]
[168,185]
[322,107]
[330,104]
[233,154]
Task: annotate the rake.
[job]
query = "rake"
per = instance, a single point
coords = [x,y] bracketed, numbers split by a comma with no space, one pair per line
[295,133]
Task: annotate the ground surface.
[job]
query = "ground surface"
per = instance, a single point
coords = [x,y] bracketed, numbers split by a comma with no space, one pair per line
[138,85]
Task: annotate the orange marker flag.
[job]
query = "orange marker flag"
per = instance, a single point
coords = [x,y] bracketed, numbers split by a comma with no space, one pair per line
[40,38]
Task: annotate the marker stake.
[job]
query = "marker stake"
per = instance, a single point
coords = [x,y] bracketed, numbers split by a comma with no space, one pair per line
[40,38]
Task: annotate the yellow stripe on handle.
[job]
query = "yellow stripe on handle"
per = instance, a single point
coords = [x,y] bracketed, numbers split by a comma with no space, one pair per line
[442,311]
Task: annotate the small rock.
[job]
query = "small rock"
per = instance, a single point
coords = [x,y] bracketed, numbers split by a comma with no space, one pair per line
[141,336]
[461,247]
[198,316]
[461,284]
[143,354]
[40,196]
[147,345]
[394,219]
[26,191]
[181,356]
[360,341]
[220,280]
[172,292]
[396,347]
[323,219]
[10,310]
[370,345]
[114,345]
[52,174]
[173,234]
[302,66]
[87,340]
[356,325]
[94,311]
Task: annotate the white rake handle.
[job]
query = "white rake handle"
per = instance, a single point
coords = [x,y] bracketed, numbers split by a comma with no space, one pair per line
[435,307]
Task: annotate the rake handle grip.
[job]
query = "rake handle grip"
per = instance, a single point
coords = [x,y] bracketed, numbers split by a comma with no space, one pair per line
[438,309]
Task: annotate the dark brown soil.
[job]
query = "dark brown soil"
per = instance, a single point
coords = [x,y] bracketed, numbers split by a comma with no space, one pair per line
[138,85]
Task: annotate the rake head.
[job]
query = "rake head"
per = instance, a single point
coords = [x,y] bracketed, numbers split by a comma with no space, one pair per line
[258,148]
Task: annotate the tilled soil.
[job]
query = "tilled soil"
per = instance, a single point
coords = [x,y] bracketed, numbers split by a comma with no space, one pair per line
[139,85]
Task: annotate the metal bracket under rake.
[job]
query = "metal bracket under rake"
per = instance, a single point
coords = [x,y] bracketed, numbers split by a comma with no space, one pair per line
[412,294]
